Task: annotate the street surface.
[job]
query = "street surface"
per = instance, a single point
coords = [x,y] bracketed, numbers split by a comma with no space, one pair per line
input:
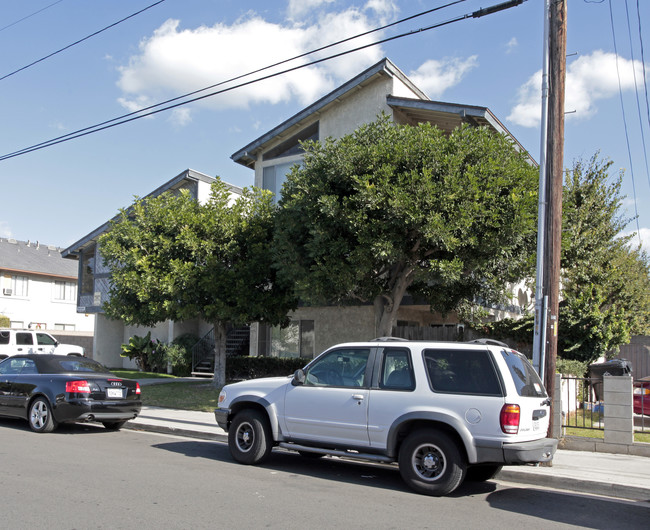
[83,476]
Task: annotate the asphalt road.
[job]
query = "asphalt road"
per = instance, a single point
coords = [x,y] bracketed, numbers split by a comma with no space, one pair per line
[83,476]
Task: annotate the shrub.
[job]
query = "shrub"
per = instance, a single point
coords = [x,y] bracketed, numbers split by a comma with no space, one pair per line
[140,350]
[5,321]
[238,368]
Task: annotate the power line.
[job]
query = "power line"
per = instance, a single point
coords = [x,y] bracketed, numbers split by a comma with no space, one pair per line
[627,137]
[132,116]
[31,15]
[80,40]
[236,78]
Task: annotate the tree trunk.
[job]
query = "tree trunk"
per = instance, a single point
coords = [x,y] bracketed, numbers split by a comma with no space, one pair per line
[386,306]
[219,354]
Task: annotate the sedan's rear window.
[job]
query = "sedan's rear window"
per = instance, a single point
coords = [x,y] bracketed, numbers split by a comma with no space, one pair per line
[462,372]
[76,364]
[525,377]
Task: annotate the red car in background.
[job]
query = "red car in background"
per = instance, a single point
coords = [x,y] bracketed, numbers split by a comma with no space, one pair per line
[642,396]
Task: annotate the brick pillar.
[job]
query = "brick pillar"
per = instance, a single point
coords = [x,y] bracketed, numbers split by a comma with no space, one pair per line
[619,420]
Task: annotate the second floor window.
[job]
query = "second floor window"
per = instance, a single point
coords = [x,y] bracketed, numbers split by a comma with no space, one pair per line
[65,291]
[19,285]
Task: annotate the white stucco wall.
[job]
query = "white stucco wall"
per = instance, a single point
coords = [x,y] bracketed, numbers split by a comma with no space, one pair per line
[39,306]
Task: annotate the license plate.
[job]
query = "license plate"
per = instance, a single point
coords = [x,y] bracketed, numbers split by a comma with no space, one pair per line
[114,393]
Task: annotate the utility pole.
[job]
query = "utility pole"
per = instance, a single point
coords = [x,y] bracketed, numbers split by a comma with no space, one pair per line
[554,183]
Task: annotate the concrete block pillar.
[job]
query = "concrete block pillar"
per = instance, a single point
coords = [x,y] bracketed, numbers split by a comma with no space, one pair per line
[618,416]
[557,408]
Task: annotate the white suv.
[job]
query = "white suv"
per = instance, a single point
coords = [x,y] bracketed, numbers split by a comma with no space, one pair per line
[442,411]
[22,341]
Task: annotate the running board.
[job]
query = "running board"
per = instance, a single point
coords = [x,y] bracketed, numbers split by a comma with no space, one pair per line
[334,452]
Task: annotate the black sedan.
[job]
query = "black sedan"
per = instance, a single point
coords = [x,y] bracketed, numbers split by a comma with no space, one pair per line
[50,389]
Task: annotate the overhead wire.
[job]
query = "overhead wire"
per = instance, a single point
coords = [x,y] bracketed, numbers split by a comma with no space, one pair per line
[30,15]
[154,110]
[645,77]
[236,78]
[636,93]
[625,128]
[80,40]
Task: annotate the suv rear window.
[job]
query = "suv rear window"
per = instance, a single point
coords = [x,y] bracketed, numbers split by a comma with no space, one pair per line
[525,377]
[462,372]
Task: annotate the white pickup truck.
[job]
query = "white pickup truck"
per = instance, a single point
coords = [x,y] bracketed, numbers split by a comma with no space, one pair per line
[22,341]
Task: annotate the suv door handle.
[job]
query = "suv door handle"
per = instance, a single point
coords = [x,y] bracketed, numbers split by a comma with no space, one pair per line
[358,397]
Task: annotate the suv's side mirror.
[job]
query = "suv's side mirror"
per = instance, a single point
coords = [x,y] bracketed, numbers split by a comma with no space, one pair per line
[298,378]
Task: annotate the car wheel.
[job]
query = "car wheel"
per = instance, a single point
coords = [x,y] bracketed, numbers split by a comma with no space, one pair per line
[40,416]
[113,425]
[430,463]
[482,473]
[249,437]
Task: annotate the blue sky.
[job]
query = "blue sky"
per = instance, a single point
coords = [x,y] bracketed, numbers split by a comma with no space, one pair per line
[59,194]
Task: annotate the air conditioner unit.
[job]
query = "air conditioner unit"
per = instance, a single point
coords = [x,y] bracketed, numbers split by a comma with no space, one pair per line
[7,292]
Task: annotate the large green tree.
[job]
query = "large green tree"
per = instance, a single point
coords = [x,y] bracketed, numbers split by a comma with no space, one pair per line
[605,277]
[173,258]
[395,208]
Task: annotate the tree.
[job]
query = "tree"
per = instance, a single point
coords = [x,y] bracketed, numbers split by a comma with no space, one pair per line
[173,258]
[392,208]
[605,280]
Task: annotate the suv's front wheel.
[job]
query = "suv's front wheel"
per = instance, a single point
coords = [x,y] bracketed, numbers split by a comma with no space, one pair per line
[430,463]
[249,437]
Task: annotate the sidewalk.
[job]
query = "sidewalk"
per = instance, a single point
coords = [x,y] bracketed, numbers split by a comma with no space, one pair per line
[622,476]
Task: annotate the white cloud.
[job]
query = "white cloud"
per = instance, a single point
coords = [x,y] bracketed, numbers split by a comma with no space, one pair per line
[642,236]
[589,78]
[434,77]
[512,45]
[175,61]
[299,8]
[5,230]
[181,116]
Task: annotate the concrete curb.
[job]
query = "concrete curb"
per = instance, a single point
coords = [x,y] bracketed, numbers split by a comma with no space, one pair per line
[620,491]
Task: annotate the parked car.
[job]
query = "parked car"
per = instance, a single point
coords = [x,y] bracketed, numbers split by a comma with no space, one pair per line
[641,396]
[50,389]
[21,341]
[442,411]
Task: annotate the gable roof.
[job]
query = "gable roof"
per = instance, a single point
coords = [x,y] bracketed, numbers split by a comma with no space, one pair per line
[246,155]
[34,258]
[73,251]
[447,116]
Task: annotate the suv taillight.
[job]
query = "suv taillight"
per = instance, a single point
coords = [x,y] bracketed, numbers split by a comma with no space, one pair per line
[77,387]
[510,418]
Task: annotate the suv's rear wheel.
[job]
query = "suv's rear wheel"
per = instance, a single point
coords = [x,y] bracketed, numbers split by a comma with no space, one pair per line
[430,463]
[249,437]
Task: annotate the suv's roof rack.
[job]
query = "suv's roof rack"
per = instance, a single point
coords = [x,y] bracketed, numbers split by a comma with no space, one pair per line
[489,342]
[388,339]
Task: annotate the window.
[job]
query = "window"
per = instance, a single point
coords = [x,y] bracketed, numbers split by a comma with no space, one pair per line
[4,337]
[65,291]
[19,285]
[273,177]
[524,375]
[43,339]
[396,370]
[345,368]
[88,271]
[296,340]
[24,339]
[64,327]
[462,372]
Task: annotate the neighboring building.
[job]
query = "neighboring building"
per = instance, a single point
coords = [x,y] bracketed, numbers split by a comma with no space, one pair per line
[94,282]
[38,289]
[381,88]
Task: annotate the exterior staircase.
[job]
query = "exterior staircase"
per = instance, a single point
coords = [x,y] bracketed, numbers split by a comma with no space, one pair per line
[237,343]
